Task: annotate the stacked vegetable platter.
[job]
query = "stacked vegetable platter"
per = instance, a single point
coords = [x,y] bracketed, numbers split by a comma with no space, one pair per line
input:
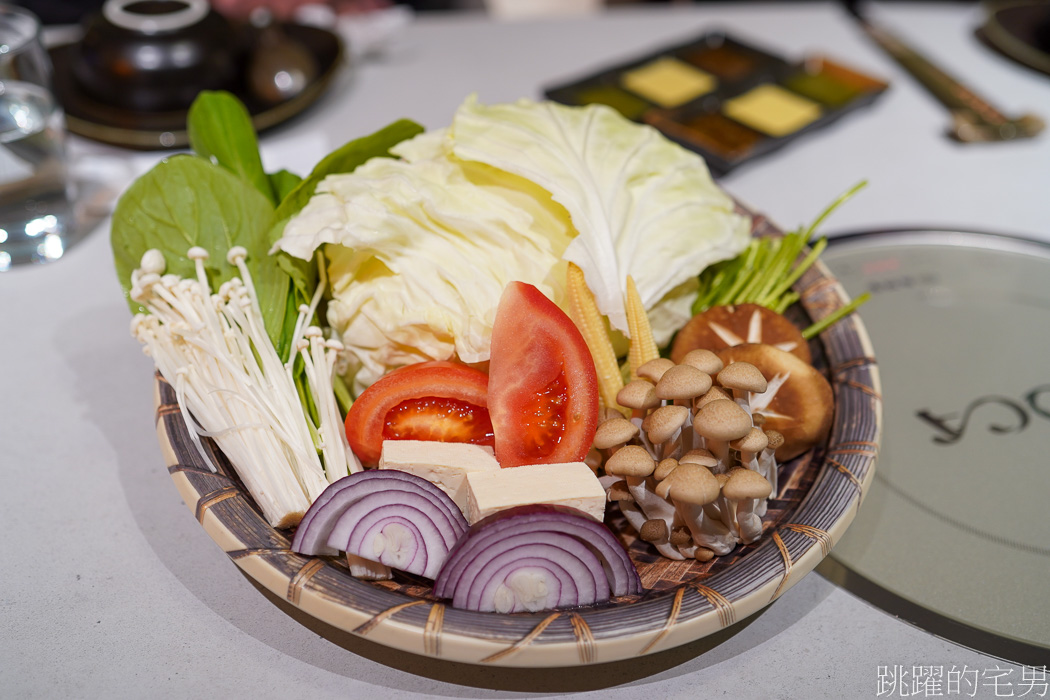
[529,390]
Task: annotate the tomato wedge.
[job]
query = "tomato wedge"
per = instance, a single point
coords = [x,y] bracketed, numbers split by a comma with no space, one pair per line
[443,401]
[543,389]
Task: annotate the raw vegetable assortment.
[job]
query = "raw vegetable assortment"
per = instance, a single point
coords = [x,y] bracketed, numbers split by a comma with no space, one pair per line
[475,288]
[511,192]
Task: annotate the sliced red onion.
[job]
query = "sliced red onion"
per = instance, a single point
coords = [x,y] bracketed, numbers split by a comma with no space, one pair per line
[504,594]
[379,530]
[548,542]
[313,532]
[581,589]
[588,576]
[416,506]
[431,531]
[538,521]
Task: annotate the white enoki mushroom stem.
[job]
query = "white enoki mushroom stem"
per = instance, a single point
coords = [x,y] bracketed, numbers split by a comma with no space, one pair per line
[213,348]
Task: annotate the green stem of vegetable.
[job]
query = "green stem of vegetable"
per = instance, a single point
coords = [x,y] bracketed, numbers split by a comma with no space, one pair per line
[791,247]
[742,278]
[839,201]
[801,268]
[763,274]
[832,318]
[305,397]
[757,275]
[778,268]
[714,281]
[342,394]
[786,301]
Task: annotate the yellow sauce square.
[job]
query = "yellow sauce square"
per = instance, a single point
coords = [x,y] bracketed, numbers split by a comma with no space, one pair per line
[668,82]
[772,110]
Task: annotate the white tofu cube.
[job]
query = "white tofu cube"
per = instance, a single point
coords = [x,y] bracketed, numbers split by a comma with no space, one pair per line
[444,464]
[571,484]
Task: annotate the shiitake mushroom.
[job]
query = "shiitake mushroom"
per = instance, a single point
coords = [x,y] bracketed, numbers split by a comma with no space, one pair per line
[800,409]
[721,327]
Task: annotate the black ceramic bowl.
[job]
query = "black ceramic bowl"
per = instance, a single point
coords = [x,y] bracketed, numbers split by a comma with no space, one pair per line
[156,55]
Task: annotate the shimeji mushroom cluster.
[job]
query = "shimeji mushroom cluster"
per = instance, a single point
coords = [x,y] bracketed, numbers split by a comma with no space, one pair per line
[692,468]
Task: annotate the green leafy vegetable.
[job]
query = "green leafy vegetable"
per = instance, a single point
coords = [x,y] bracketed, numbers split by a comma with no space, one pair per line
[294,195]
[346,159]
[220,129]
[419,249]
[187,201]
[642,205]
[283,182]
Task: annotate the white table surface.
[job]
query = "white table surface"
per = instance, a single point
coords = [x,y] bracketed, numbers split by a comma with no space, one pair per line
[109,586]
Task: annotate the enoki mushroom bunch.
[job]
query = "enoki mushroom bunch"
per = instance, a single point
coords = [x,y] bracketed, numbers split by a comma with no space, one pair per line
[214,350]
[692,468]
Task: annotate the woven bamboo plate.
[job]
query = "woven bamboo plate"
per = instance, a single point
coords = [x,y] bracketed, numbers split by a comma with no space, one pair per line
[819,495]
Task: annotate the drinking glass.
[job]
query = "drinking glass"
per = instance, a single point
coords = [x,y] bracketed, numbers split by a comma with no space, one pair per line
[37,221]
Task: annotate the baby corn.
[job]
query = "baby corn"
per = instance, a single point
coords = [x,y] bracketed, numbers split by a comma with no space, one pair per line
[584,313]
[643,347]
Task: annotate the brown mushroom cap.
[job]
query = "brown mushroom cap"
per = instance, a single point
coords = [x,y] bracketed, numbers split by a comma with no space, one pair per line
[723,326]
[803,407]
[722,479]
[661,424]
[639,394]
[775,440]
[699,456]
[745,483]
[654,369]
[722,420]
[754,441]
[713,394]
[704,554]
[613,432]
[692,484]
[654,531]
[683,382]
[664,468]
[630,460]
[704,360]
[743,376]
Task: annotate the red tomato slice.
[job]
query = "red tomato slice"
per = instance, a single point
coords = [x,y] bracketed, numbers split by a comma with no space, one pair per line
[543,389]
[442,401]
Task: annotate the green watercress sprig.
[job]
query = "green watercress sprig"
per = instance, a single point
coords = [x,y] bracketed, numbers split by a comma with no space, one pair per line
[764,273]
